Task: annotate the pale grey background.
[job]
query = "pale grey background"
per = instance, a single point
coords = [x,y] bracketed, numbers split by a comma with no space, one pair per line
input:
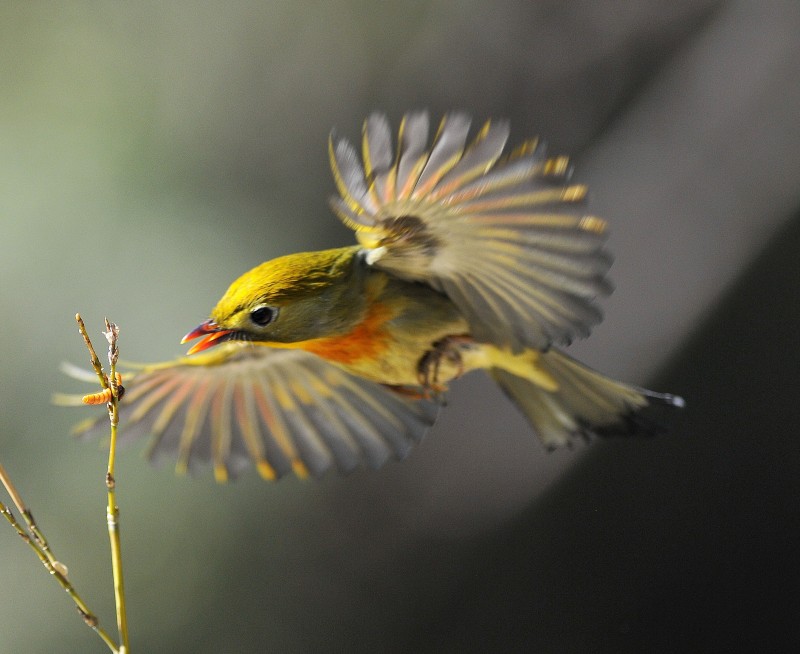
[151,152]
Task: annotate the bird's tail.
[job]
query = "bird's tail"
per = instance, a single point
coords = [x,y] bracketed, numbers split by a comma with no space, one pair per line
[579,400]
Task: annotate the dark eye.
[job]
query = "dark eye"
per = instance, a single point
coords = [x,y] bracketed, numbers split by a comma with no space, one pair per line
[263,315]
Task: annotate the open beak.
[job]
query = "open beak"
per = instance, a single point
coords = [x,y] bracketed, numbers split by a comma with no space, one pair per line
[209,334]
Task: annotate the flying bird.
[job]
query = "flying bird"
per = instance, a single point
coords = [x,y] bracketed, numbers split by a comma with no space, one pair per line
[468,257]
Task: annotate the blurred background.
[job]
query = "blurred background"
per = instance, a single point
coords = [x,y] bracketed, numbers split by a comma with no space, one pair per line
[151,152]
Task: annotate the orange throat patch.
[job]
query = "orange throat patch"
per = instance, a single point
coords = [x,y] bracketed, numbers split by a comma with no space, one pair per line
[368,340]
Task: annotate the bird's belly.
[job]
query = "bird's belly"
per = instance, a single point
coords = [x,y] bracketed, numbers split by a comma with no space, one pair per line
[401,367]
[412,357]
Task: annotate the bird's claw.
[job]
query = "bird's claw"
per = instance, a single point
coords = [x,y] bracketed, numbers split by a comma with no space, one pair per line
[447,350]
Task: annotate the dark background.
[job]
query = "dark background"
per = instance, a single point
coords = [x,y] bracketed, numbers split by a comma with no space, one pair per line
[151,152]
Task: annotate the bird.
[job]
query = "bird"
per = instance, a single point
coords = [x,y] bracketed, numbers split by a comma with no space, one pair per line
[469,256]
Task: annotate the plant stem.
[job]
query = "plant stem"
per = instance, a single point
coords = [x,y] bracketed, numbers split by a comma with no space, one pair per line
[111,484]
[112,510]
[114,537]
[38,543]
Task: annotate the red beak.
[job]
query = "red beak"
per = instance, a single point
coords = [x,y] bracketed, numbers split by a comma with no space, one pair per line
[211,335]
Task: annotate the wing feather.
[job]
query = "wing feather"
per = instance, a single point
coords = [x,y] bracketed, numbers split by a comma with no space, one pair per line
[154,396]
[478,159]
[446,152]
[536,262]
[280,448]
[283,410]
[368,436]
[332,431]
[308,441]
[171,404]
[247,421]
[412,152]
[221,433]
[376,147]
[558,311]
[349,177]
[196,412]
[512,174]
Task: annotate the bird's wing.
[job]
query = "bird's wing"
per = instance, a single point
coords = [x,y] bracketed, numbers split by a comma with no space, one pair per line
[503,236]
[281,409]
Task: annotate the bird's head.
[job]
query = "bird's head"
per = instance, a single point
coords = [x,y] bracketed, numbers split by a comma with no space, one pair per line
[291,299]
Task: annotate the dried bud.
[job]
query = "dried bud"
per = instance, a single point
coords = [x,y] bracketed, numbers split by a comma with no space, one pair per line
[111,334]
[60,568]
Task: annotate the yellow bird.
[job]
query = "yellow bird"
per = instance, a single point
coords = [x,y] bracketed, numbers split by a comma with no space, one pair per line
[468,259]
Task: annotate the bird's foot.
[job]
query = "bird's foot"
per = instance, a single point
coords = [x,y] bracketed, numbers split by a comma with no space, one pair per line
[445,351]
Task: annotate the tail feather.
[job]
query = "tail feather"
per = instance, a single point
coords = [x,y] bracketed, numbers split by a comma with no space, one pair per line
[586,402]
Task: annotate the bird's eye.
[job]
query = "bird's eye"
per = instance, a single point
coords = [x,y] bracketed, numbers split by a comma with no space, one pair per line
[263,315]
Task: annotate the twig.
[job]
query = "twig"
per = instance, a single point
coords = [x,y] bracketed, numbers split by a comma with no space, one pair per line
[34,537]
[112,512]
[98,367]
[38,543]
[111,334]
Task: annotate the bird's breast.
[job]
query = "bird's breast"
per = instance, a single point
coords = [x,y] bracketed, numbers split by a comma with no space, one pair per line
[367,341]
[399,326]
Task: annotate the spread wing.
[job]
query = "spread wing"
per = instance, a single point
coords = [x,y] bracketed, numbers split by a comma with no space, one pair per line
[282,409]
[503,236]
